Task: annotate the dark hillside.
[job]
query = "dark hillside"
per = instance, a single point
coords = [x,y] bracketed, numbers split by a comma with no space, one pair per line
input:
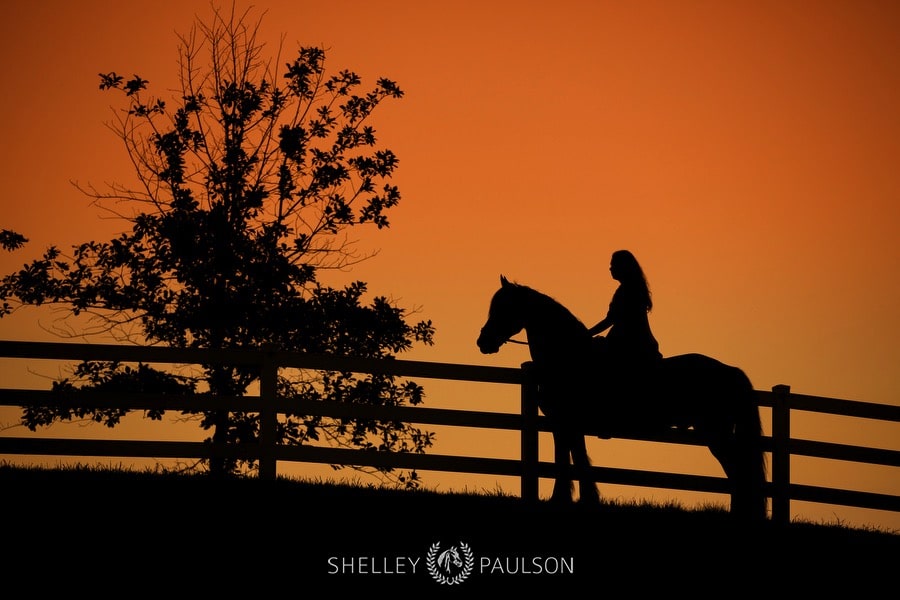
[123,532]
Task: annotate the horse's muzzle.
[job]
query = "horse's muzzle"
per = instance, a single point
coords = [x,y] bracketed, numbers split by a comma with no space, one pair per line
[486,345]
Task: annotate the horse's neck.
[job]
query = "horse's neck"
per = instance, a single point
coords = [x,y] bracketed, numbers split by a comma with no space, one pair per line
[554,333]
[547,344]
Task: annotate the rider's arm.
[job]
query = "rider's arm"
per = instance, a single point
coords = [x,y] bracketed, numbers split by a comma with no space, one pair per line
[612,315]
[601,326]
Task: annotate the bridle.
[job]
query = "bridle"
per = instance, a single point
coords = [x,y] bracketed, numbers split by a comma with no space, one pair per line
[507,340]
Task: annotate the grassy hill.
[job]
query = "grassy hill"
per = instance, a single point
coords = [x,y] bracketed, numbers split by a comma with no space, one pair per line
[121,532]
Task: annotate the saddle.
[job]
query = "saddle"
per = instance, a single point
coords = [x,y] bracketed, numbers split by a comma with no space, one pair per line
[626,391]
[624,376]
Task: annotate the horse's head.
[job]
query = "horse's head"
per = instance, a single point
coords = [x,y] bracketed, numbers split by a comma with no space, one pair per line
[505,318]
[449,556]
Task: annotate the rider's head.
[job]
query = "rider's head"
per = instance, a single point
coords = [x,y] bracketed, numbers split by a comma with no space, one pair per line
[624,267]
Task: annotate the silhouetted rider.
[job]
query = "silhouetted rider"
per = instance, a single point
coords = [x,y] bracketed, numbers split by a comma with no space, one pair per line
[629,348]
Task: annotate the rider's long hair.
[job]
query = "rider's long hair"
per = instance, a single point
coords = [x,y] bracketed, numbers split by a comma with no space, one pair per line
[632,274]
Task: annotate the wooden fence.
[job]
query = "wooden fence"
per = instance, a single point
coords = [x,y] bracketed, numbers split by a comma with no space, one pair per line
[528,422]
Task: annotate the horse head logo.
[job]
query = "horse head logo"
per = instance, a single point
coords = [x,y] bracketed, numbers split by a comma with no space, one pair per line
[450,566]
[451,555]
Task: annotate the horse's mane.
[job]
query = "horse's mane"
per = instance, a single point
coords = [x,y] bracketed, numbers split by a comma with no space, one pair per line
[554,305]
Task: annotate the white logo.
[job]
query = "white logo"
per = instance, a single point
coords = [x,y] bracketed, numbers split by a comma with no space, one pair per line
[450,566]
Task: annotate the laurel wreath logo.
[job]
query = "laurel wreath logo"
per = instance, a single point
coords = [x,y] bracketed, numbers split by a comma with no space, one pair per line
[465,569]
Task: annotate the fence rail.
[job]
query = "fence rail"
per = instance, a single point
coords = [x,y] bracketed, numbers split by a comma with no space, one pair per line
[528,422]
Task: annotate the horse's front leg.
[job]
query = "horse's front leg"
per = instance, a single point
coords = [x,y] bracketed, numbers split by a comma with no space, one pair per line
[587,488]
[562,486]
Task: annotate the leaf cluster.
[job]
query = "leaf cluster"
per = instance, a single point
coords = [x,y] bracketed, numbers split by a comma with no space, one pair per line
[246,185]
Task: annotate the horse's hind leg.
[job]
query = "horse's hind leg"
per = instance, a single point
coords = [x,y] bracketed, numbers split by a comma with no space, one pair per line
[741,478]
[722,452]
[725,451]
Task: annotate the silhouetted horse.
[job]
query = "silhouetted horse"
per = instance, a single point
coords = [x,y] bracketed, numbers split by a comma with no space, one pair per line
[689,391]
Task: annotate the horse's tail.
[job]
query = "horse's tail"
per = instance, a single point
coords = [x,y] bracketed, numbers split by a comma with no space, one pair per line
[751,459]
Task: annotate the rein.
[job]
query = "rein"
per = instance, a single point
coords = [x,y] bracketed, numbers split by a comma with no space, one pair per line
[512,341]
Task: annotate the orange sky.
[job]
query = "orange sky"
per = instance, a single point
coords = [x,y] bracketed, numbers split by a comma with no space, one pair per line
[746,152]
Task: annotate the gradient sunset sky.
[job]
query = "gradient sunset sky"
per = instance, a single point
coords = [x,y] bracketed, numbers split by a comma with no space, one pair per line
[748,153]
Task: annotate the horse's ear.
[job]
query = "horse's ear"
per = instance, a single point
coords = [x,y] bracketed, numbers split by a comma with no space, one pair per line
[504,282]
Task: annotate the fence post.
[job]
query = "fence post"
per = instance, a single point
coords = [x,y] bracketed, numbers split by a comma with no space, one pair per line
[781,454]
[529,434]
[268,418]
